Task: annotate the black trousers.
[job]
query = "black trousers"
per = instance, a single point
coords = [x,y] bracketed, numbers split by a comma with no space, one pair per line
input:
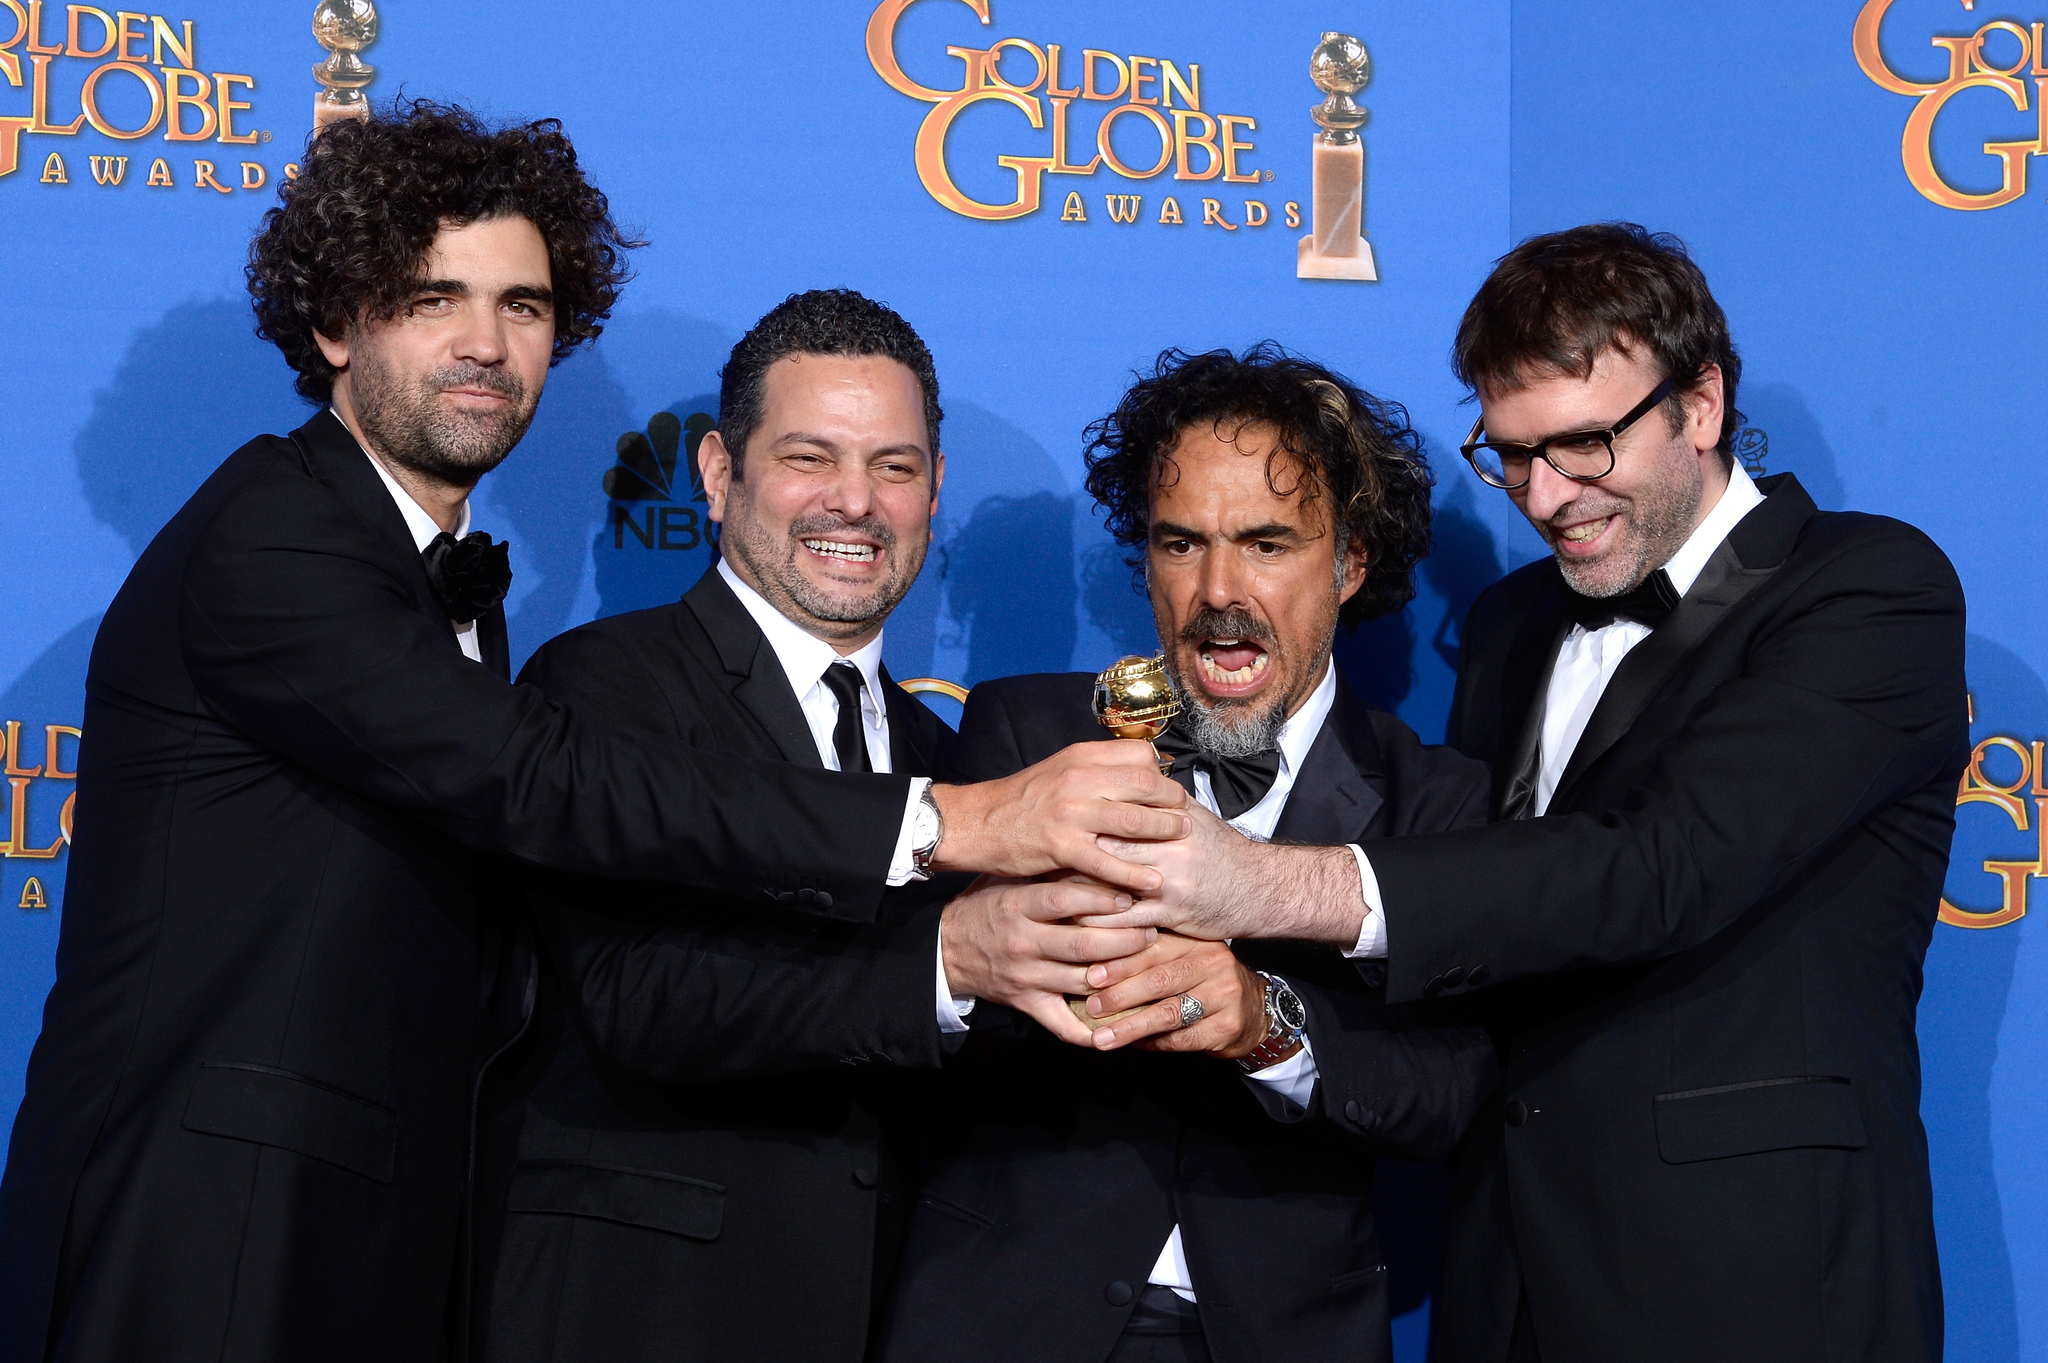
[1163,1328]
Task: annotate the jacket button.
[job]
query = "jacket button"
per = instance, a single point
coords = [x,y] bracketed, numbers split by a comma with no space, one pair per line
[864,1177]
[1517,1112]
[1454,977]
[821,898]
[1476,976]
[1118,1294]
[1190,1165]
[1352,1111]
[1433,986]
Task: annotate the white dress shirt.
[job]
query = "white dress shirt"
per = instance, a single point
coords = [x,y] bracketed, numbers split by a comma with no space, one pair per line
[1295,1077]
[423,531]
[1586,662]
[804,658]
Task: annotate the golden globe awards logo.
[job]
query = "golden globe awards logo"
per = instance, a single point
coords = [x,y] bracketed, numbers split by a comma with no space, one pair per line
[124,77]
[2002,56]
[2023,799]
[40,765]
[1079,109]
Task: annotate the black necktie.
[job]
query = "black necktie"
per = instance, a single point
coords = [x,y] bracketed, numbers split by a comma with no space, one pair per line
[1238,783]
[849,736]
[469,575]
[1647,603]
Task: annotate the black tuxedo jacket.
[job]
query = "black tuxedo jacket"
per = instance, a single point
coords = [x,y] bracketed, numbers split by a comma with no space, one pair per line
[1705,959]
[247,1124]
[703,1145]
[1058,1173]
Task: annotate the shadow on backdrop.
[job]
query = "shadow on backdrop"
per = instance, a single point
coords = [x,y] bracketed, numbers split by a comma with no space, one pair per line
[1463,562]
[1962,1010]
[1796,443]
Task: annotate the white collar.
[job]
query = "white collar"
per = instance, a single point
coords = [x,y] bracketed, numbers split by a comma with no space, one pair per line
[416,518]
[1299,733]
[1738,499]
[803,655]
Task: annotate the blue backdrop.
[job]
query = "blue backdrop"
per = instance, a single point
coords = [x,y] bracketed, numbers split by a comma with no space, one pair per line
[1827,162]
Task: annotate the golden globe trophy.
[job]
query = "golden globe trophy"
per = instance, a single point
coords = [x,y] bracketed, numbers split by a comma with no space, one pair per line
[1133,699]
[344,28]
[1336,247]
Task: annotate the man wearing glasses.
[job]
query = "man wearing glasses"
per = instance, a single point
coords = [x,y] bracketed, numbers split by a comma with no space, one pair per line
[1725,729]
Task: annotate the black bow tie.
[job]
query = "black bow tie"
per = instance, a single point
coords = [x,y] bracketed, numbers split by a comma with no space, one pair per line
[1647,603]
[469,575]
[1238,783]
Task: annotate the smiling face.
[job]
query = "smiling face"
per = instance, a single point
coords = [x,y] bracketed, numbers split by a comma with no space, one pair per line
[1611,534]
[1245,583]
[830,513]
[447,387]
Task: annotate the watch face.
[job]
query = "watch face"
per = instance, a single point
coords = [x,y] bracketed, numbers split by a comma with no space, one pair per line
[1287,1007]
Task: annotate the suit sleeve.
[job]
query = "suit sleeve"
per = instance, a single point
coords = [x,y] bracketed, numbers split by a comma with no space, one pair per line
[298,633]
[1405,1078]
[1850,701]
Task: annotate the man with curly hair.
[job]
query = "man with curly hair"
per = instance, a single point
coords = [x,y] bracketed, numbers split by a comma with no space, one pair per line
[1201,1187]
[248,1124]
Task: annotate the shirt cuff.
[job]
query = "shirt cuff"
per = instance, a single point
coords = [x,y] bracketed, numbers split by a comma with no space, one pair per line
[1293,1078]
[953,1008]
[903,865]
[1372,933]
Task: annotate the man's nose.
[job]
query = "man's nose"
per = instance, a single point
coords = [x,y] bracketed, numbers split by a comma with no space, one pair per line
[848,494]
[1223,580]
[1546,491]
[480,337]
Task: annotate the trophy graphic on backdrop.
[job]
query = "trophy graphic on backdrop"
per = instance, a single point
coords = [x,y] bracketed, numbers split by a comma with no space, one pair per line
[1336,247]
[344,28]
[1134,699]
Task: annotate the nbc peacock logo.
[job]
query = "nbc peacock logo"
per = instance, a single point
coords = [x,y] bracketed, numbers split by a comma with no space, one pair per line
[657,469]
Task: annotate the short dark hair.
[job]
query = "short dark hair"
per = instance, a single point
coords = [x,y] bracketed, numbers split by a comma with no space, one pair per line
[1556,303]
[1345,444]
[351,235]
[820,322]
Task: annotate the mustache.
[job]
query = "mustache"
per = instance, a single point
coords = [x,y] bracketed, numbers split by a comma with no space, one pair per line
[498,381]
[1210,623]
[873,527]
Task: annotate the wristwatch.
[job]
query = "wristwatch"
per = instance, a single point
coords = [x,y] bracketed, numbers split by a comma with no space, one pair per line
[928,829]
[1286,1022]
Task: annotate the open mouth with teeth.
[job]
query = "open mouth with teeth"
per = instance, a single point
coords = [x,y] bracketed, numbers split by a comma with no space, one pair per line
[1580,538]
[1233,667]
[841,552]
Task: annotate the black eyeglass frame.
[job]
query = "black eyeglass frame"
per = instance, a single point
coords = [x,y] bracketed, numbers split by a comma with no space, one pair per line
[1541,450]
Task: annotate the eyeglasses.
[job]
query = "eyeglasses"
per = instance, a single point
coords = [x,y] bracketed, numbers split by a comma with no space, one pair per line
[1582,456]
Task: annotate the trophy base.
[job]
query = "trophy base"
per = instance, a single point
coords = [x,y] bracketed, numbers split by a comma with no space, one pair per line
[1079,1003]
[1309,265]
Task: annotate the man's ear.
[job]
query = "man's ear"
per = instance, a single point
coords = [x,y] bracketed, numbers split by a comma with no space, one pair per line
[1705,402]
[335,352]
[1356,561]
[938,478]
[714,465]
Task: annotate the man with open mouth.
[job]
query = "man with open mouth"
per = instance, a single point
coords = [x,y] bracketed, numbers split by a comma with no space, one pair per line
[1201,1187]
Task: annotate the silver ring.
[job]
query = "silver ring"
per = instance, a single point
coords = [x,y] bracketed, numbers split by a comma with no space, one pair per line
[1190,1010]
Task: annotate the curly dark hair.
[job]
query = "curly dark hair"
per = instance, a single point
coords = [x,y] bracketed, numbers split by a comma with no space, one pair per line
[350,237]
[1557,302]
[819,322]
[1342,443]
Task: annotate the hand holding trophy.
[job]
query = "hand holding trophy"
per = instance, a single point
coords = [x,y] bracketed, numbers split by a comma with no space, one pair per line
[1133,699]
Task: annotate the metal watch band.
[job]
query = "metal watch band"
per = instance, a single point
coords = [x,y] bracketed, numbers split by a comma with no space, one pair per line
[921,857]
[1279,1036]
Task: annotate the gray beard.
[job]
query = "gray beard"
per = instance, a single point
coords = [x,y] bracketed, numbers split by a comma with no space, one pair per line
[1251,734]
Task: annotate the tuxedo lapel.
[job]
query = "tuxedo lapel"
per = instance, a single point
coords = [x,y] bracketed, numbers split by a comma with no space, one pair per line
[907,751]
[338,463]
[1739,565]
[492,643]
[759,684]
[1523,684]
[1333,798]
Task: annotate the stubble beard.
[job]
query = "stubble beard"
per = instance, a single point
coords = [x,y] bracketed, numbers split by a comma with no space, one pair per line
[405,422]
[1656,523]
[771,560]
